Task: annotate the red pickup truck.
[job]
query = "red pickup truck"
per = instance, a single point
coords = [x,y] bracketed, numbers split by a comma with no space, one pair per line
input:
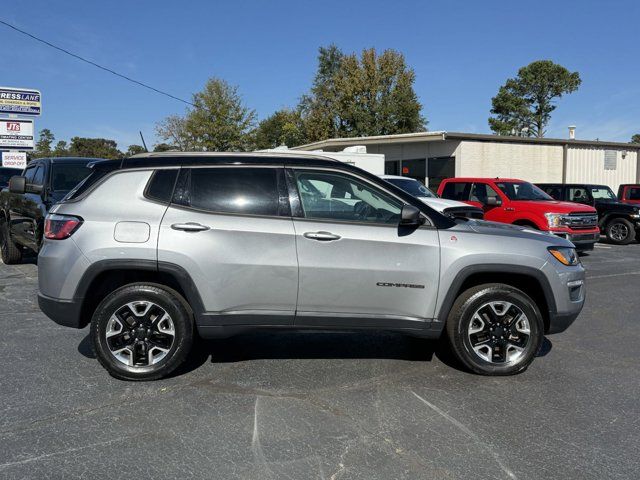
[629,193]
[509,200]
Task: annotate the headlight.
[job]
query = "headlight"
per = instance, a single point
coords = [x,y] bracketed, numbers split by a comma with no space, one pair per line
[555,219]
[565,255]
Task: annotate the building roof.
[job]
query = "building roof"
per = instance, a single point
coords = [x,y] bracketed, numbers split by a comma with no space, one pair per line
[443,135]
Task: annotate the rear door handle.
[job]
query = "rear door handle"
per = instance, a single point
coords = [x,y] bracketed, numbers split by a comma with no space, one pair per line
[322,236]
[189,227]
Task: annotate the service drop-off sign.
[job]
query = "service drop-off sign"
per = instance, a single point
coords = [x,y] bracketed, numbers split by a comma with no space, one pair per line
[14,159]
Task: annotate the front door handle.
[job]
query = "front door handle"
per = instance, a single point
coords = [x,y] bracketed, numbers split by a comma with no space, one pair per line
[322,236]
[189,227]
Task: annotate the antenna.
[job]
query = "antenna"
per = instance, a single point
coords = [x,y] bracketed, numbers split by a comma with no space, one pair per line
[144,144]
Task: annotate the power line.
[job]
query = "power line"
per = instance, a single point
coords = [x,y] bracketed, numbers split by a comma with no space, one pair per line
[78,57]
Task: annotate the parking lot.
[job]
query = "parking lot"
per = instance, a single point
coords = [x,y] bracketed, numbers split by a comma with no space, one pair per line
[329,405]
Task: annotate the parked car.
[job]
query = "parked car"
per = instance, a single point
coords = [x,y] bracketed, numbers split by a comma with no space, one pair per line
[6,173]
[617,220]
[420,191]
[629,193]
[24,205]
[160,247]
[510,200]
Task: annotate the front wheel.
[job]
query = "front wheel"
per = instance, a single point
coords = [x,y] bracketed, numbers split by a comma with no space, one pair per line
[142,332]
[620,231]
[495,329]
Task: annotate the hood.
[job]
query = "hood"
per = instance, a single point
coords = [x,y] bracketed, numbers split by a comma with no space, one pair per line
[515,231]
[440,204]
[554,206]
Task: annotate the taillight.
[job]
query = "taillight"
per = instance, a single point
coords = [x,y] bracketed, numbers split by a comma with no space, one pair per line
[59,227]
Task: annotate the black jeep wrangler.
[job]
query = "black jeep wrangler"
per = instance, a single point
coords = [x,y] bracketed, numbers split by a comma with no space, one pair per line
[618,221]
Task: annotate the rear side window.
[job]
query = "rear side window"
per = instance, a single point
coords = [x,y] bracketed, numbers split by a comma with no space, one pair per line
[634,193]
[160,186]
[245,190]
[456,191]
[555,192]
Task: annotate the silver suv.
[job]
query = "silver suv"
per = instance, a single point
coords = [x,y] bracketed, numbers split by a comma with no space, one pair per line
[157,249]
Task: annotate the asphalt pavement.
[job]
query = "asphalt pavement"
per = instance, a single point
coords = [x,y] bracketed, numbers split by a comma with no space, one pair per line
[327,405]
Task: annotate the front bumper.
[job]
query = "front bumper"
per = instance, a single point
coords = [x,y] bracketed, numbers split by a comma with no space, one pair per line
[63,312]
[582,241]
[569,292]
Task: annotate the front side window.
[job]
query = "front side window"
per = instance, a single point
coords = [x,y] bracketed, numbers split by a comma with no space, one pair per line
[64,177]
[335,196]
[29,174]
[522,191]
[248,191]
[603,193]
[38,177]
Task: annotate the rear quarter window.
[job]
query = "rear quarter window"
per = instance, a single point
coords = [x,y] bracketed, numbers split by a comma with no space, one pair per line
[160,187]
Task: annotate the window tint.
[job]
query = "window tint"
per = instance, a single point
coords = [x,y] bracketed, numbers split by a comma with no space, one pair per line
[555,192]
[456,191]
[161,185]
[578,195]
[38,176]
[634,193]
[481,192]
[66,177]
[335,196]
[252,191]
[29,173]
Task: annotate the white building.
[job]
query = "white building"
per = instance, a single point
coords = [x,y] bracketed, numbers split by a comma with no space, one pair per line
[432,156]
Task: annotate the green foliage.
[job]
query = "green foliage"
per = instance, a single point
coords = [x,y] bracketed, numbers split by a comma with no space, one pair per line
[163,147]
[43,145]
[61,149]
[94,147]
[370,95]
[220,121]
[635,138]
[284,127]
[134,150]
[525,103]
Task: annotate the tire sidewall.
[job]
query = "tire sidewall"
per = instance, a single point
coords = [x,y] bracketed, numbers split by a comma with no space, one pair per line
[503,294]
[182,322]
[627,224]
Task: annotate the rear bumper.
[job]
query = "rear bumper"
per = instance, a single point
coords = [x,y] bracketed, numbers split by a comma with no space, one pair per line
[63,312]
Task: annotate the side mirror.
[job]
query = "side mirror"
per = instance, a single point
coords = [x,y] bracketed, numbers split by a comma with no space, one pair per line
[18,184]
[494,201]
[410,216]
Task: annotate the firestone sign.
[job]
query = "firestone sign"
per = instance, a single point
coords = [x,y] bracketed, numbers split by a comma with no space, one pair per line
[17,134]
[20,101]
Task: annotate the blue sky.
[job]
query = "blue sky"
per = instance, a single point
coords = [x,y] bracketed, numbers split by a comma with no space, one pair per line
[462,51]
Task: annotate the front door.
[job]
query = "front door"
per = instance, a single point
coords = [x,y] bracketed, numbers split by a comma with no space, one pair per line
[230,228]
[357,267]
[26,209]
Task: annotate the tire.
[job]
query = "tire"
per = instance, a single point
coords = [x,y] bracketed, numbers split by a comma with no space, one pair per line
[510,351]
[9,251]
[142,332]
[620,231]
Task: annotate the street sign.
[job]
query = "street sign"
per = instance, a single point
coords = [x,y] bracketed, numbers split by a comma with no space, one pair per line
[20,101]
[16,134]
[14,159]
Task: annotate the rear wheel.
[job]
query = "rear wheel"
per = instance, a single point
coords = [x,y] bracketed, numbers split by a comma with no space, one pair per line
[495,329]
[142,332]
[620,231]
[9,251]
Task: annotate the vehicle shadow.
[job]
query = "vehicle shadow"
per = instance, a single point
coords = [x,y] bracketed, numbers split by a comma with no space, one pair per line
[314,345]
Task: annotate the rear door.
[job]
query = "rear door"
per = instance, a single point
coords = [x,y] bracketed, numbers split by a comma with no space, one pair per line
[230,228]
[357,267]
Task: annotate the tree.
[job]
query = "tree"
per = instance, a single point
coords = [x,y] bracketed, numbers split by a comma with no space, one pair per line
[525,103]
[61,149]
[219,122]
[635,138]
[94,147]
[370,95]
[134,150]
[284,127]
[164,147]
[43,145]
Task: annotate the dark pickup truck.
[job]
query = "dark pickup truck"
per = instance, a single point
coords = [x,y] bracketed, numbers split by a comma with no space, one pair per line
[27,200]
[617,220]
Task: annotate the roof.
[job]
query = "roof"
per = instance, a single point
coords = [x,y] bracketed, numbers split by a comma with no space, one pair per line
[159,159]
[482,179]
[68,159]
[443,135]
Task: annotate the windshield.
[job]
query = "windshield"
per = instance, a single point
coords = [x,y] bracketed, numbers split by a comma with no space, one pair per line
[522,191]
[603,194]
[412,187]
[65,177]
